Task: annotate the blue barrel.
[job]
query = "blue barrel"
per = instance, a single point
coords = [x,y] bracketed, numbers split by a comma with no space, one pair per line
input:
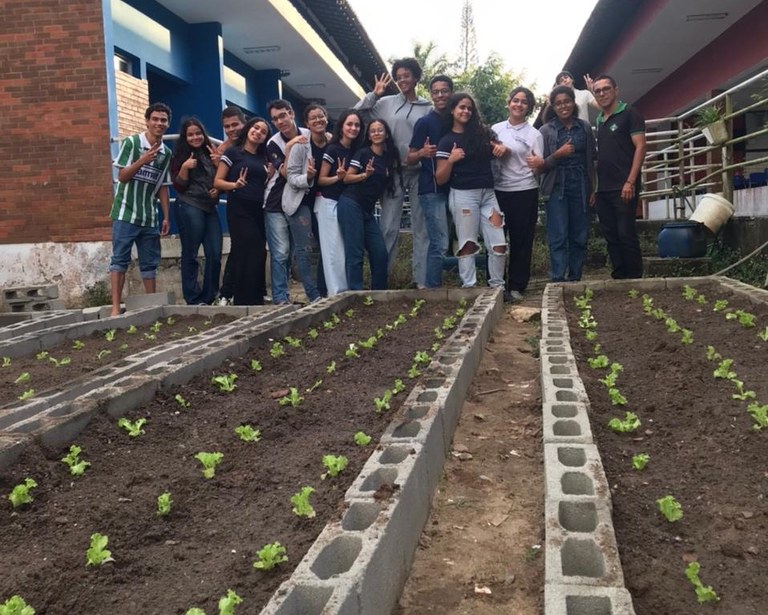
[682,240]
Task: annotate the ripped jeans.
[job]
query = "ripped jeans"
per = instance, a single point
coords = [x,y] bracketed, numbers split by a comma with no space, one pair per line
[471,211]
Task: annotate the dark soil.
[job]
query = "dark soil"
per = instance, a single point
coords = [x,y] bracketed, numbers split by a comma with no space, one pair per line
[703,450]
[96,352]
[208,542]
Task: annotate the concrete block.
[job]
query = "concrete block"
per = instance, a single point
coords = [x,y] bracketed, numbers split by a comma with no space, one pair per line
[562,389]
[11,446]
[580,600]
[62,424]
[134,302]
[31,292]
[565,422]
[300,596]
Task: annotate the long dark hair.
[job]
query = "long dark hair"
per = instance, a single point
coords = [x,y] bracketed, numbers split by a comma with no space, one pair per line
[243,136]
[183,149]
[391,156]
[337,130]
[549,113]
[478,134]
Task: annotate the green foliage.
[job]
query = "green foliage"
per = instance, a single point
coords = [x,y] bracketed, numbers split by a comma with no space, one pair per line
[60,362]
[598,362]
[181,401]
[334,464]
[41,356]
[6,361]
[155,326]
[712,354]
[490,84]
[633,293]
[708,115]
[703,593]
[640,460]
[617,399]
[315,386]
[225,382]
[312,334]
[670,508]
[763,335]
[195,611]
[98,554]
[293,398]
[255,365]
[277,350]
[110,335]
[132,329]
[689,293]
[20,493]
[27,394]
[591,335]
[687,336]
[382,403]
[413,371]
[103,353]
[351,352]
[759,414]
[398,386]
[349,313]
[293,342]
[23,377]
[227,603]
[150,337]
[134,428]
[672,325]
[301,505]
[701,300]
[15,605]
[330,368]
[368,300]
[742,395]
[164,503]
[170,321]
[421,358]
[724,370]
[720,305]
[369,343]
[630,423]
[439,333]
[247,433]
[362,438]
[76,465]
[270,555]
[209,462]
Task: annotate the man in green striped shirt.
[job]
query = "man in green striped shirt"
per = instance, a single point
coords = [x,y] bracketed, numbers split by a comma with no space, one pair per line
[143,164]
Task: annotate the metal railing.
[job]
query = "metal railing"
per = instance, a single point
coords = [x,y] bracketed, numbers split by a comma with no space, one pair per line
[680,163]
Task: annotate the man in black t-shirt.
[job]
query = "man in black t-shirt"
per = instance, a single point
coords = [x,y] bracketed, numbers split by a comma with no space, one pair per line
[620,153]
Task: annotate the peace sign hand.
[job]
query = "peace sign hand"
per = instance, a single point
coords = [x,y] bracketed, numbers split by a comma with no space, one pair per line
[242,180]
[215,155]
[341,168]
[369,168]
[311,171]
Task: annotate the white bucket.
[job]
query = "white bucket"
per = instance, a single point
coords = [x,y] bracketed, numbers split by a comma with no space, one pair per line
[712,211]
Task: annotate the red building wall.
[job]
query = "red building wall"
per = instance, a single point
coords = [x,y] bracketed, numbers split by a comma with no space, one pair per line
[56,179]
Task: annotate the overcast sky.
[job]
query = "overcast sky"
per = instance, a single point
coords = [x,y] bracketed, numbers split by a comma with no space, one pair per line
[534,37]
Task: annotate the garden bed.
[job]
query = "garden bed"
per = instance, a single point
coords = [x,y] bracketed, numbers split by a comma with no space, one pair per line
[702,446]
[208,542]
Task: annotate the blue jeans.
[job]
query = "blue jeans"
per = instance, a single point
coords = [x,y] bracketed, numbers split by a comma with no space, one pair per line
[147,240]
[360,233]
[568,219]
[196,228]
[433,208]
[282,231]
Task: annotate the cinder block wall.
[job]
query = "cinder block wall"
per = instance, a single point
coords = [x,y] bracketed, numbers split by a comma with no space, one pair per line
[56,179]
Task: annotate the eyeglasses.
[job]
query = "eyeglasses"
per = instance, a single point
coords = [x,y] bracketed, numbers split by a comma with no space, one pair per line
[442,92]
[563,103]
[280,116]
[605,90]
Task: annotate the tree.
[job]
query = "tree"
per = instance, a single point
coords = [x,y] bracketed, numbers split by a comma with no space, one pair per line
[490,85]
[468,57]
[431,65]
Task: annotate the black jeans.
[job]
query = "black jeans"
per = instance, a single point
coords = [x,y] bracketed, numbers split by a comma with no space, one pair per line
[521,210]
[617,224]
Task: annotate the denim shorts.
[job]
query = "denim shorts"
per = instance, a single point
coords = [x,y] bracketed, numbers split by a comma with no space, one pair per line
[147,240]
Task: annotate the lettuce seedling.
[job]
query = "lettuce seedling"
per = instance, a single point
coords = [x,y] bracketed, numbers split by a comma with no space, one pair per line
[76,465]
[155,326]
[400,320]
[98,554]
[312,334]
[689,293]
[247,433]
[383,402]
[23,377]
[349,313]
[335,318]
[6,361]
[209,461]
[617,399]
[256,365]
[591,335]
[293,398]
[15,605]
[369,343]
[587,321]
[277,350]
[328,324]
[599,362]
[720,305]
[60,362]
[759,415]
[398,387]
[421,358]
[701,300]
[703,593]
[630,423]
[368,300]
[330,368]
[742,395]
[225,382]
[439,333]
[27,394]
[435,347]
[335,464]
[315,386]
[301,505]
[414,372]
[227,603]
[293,342]
[724,370]
[351,352]
[170,320]
[164,503]
[686,337]
[672,325]
[763,335]
[746,320]
[195,611]
[103,353]
[362,438]
[41,356]
[670,508]
[132,329]
[150,337]
[582,301]
[633,293]
[647,304]
[192,329]
[414,312]
[208,322]
[270,555]
[123,347]
[658,314]
[640,460]
[20,493]
[110,335]
[134,429]
[181,401]
[712,354]
[379,333]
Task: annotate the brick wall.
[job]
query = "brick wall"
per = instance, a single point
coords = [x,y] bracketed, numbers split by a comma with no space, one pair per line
[132,101]
[56,178]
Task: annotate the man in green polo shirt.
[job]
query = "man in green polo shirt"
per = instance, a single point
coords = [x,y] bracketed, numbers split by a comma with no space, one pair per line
[143,164]
[620,152]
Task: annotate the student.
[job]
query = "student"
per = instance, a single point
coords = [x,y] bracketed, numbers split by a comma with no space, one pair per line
[400,112]
[232,121]
[347,139]
[584,98]
[373,171]
[300,168]
[517,188]
[193,170]
[433,198]
[143,163]
[464,159]
[243,172]
[567,164]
